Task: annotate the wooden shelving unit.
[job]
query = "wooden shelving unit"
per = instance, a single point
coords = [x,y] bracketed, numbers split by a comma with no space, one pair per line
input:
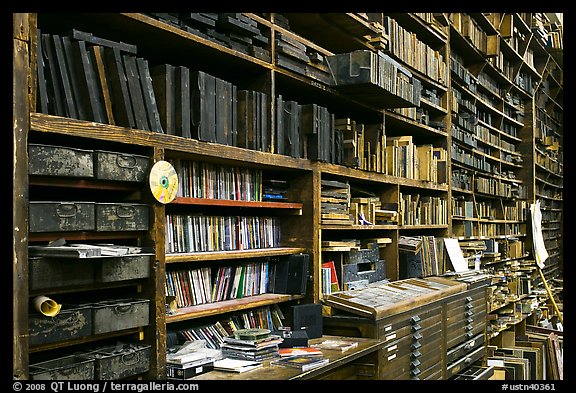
[500,137]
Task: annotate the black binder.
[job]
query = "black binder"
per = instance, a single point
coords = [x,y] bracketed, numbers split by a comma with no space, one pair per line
[292,274]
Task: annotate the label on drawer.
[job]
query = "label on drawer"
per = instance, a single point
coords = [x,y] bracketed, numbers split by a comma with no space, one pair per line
[390,337]
[392,357]
[392,348]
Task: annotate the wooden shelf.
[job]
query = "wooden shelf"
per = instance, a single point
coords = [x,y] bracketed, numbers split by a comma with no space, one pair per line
[83,340]
[296,207]
[237,254]
[217,308]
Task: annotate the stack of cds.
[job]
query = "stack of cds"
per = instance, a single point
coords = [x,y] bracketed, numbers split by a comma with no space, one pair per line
[251,344]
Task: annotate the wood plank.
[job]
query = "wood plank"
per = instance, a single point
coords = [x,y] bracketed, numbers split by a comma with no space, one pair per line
[20,110]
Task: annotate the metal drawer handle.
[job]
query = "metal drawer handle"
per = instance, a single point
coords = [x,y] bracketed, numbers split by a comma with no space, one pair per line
[415,319]
[125,211]
[415,372]
[468,299]
[468,360]
[130,359]
[123,308]
[416,327]
[470,345]
[65,210]
[126,161]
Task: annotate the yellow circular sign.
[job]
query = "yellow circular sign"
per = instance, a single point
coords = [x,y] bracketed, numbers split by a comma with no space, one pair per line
[163,182]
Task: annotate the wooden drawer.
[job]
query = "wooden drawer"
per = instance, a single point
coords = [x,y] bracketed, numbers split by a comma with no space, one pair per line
[464,330]
[476,373]
[409,365]
[464,348]
[462,363]
[388,327]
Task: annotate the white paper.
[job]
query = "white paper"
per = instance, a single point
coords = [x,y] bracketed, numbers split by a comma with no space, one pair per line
[459,263]
[540,252]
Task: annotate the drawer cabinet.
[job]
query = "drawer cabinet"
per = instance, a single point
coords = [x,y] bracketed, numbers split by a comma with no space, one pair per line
[432,340]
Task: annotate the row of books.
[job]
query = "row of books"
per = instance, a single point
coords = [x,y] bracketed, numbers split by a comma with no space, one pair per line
[499,188]
[268,317]
[294,55]
[471,30]
[422,162]
[375,78]
[421,256]
[405,45]
[416,209]
[198,179]
[213,284]
[307,131]
[233,30]
[465,157]
[335,202]
[197,233]
[362,145]
[461,179]
[517,211]
[85,77]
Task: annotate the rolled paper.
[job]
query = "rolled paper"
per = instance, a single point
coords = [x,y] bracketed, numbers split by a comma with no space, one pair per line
[46,306]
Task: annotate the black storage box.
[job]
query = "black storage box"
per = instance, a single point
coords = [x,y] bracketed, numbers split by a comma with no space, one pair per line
[73,321]
[48,160]
[307,317]
[120,361]
[120,166]
[291,274]
[119,314]
[295,338]
[126,267]
[122,217]
[179,371]
[61,216]
[72,367]
[48,272]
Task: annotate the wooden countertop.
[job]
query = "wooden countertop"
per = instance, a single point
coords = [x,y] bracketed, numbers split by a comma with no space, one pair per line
[270,372]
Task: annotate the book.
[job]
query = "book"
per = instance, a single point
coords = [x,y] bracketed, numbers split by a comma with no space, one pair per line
[302,362]
[336,345]
[236,365]
[299,351]
[334,283]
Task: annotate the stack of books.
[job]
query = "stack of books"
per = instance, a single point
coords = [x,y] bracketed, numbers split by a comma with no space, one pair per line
[303,362]
[251,344]
[302,358]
